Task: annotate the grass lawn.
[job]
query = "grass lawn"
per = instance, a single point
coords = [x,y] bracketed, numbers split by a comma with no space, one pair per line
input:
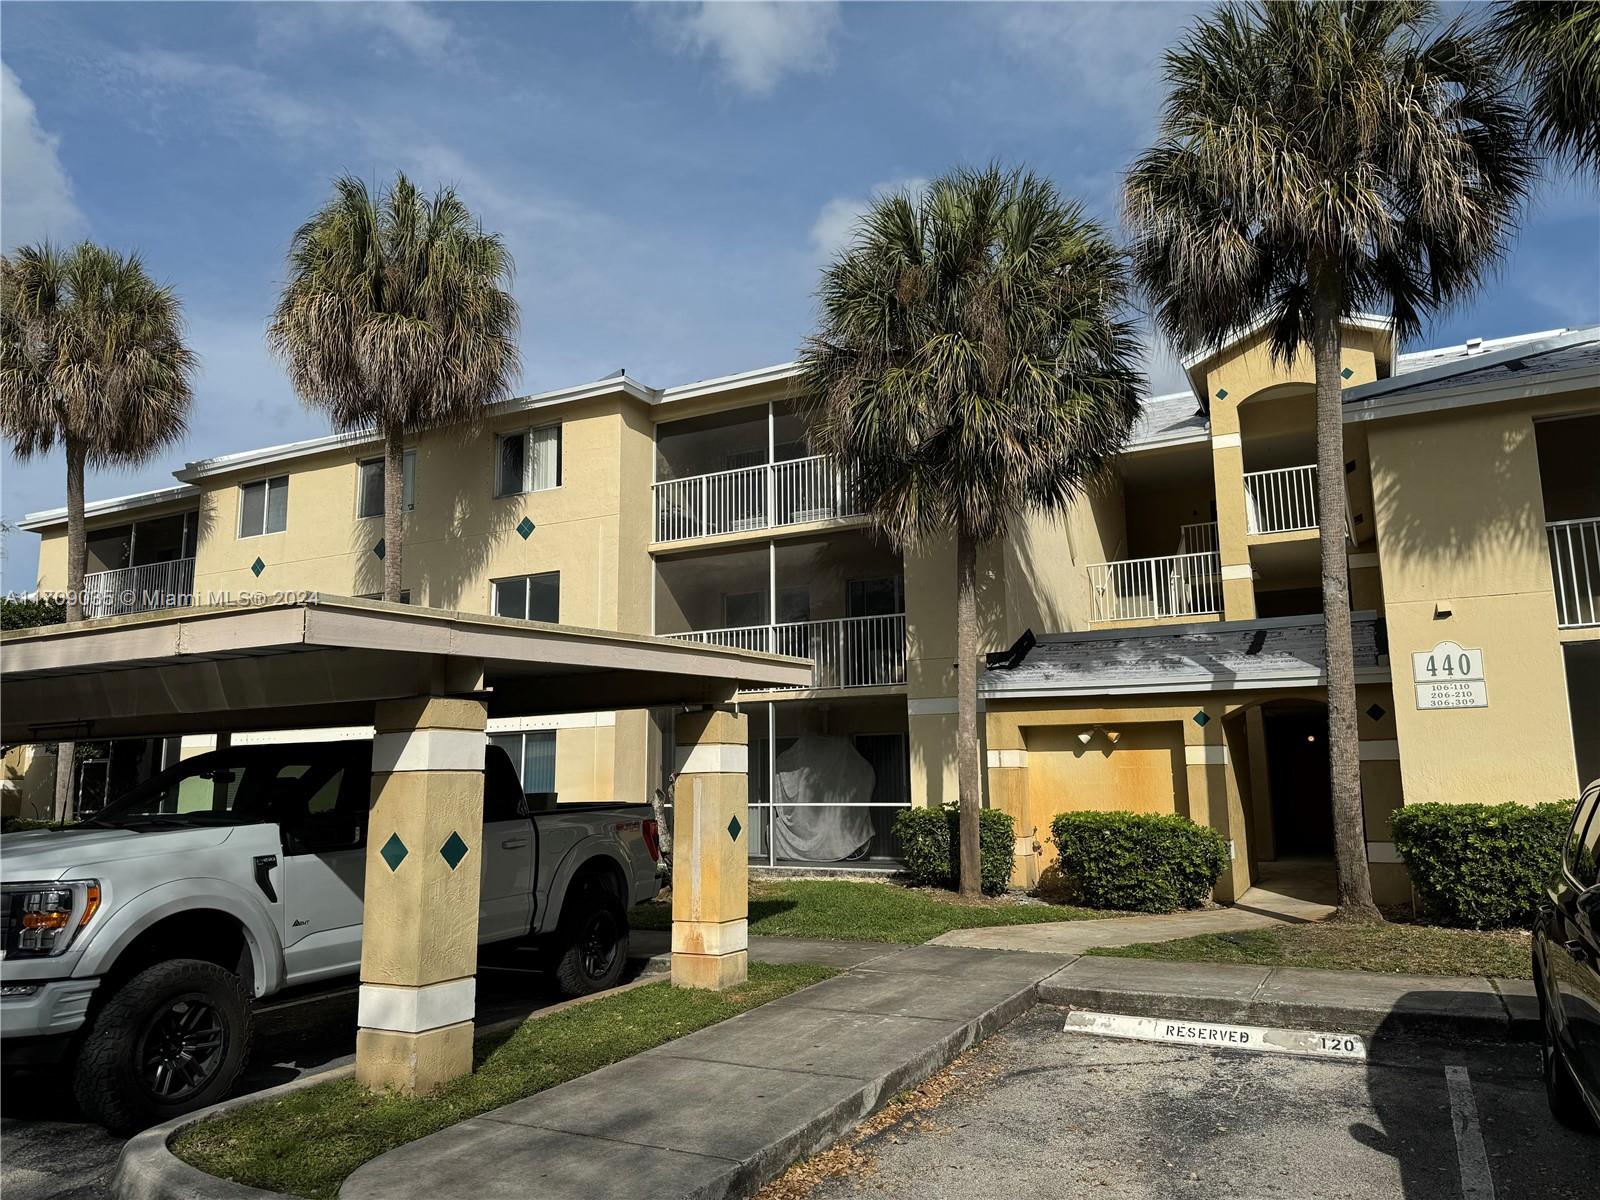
[844,910]
[307,1142]
[1403,949]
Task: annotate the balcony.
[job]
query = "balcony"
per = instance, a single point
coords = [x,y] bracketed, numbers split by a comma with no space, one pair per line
[1281,501]
[1154,589]
[139,589]
[797,491]
[847,652]
[1575,566]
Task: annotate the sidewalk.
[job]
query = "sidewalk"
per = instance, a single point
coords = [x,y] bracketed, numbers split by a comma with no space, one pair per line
[721,1111]
[1285,900]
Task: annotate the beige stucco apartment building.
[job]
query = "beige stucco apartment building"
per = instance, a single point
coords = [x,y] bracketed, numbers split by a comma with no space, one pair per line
[1178,665]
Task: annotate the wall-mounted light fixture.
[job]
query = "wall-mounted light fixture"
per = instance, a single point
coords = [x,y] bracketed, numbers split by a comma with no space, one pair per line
[1085,737]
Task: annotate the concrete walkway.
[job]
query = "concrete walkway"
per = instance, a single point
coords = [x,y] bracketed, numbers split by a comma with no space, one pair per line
[1291,895]
[721,1111]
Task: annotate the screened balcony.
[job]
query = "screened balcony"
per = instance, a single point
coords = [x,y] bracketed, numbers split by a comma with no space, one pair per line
[141,566]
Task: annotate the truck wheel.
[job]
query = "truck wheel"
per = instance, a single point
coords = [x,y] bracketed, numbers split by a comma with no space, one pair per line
[592,943]
[170,1040]
[1566,1105]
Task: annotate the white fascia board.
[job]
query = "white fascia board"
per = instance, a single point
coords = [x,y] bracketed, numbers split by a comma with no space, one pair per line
[1198,437]
[269,455]
[728,383]
[1372,321]
[1366,393]
[1309,679]
[100,508]
[1497,391]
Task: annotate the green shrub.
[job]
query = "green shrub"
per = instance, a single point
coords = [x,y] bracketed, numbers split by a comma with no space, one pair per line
[1482,866]
[25,612]
[930,841]
[24,824]
[1137,862]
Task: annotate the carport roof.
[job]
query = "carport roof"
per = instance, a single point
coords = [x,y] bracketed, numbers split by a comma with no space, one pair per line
[1218,657]
[326,661]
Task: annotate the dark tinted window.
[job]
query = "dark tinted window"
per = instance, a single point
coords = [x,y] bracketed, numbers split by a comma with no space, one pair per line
[502,790]
[1583,844]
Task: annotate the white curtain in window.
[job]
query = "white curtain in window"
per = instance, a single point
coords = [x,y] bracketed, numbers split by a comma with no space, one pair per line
[544,453]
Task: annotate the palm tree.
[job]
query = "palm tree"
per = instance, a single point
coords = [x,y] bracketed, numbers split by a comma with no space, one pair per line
[1315,160]
[972,365]
[92,356]
[395,318]
[1555,45]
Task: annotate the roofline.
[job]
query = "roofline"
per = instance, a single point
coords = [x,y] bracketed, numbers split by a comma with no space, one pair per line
[1364,395]
[1190,629]
[1305,679]
[1373,321]
[727,383]
[33,522]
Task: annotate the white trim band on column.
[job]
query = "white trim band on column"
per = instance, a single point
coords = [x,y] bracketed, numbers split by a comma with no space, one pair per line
[1383,852]
[428,750]
[711,937]
[713,758]
[1379,751]
[1226,441]
[1007,758]
[1205,756]
[1238,571]
[416,1009]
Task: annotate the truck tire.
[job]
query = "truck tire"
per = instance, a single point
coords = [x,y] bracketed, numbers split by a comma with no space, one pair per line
[171,1039]
[1560,1089]
[591,950]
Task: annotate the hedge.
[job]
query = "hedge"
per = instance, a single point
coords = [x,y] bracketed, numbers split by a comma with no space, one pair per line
[1137,862]
[930,841]
[1482,866]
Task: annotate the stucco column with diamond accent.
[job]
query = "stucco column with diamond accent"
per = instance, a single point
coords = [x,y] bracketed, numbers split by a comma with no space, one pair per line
[711,851]
[419,948]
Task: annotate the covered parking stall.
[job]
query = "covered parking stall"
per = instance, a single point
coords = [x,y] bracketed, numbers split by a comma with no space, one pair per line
[427,680]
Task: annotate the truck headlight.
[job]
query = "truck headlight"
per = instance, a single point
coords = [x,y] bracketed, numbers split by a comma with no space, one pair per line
[41,919]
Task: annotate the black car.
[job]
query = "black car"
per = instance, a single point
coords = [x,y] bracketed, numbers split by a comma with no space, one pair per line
[1566,972]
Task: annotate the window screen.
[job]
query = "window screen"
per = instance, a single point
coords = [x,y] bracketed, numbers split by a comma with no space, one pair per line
[529,461]
[264,506]
[529,597]
[369,495]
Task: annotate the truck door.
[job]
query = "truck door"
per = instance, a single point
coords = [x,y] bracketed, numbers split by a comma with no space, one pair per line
[510,849]
[318,798]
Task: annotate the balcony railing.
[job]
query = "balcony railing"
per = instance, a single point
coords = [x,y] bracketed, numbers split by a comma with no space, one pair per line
[1197,537]
[1281,501]
[849,652]
[1575,564]
[1151,589]
[139,589]
[795,492]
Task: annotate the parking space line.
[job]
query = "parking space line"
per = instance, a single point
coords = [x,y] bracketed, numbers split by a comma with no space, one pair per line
[1476,1181]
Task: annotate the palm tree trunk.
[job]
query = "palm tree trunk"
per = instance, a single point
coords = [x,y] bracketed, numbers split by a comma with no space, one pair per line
[968,773]
[77,541]
[1344,760]
[394,501]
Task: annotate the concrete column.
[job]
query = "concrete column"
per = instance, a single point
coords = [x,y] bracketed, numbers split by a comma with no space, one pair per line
[419,949]
[710,851]
[1205,757]
[1006,758]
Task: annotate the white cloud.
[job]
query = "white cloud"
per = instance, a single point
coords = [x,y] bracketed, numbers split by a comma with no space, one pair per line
[392,24]
[835,226]
[35,193]
[758,42]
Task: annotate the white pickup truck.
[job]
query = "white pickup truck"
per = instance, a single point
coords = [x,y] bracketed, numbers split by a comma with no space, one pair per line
[135,942]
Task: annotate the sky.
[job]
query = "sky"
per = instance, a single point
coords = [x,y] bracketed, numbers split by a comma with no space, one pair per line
[668,177]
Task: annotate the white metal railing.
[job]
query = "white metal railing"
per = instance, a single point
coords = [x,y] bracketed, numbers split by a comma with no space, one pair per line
[1281,500]
[139,589]
[760,497]
[1138,589]
[847,652]
[1198,537]
[1575,564]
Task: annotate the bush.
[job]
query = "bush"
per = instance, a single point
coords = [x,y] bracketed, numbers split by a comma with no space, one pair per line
[19,612]
[930,839]
[1482,866]
[1137,862]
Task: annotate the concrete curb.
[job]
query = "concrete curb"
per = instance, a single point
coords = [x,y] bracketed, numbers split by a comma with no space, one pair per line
[147,1169]
[1376,1006]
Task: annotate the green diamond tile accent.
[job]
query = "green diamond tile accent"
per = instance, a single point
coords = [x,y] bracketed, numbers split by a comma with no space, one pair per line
[1377,712]
[1222,393]
[394,852]
[525,528]
[1346,373]
[453,850]
[379,549]
[257,567]
[1201,719]
[734,827]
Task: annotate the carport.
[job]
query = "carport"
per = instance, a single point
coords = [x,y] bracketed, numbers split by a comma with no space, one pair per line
[427,680]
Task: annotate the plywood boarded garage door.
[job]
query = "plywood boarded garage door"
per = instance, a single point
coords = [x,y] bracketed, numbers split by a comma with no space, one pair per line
[1143,773]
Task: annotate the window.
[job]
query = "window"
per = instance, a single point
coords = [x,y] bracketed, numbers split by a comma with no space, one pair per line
[534,755]
[405,596]
[369,486]
[875,597]
[1582,853]
[529,597]
[529,461]
[264,507]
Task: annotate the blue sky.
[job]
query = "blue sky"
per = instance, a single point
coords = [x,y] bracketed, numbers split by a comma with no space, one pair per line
[668,177]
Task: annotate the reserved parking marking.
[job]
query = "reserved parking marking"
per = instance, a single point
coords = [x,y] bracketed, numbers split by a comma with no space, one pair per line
[1173,1031]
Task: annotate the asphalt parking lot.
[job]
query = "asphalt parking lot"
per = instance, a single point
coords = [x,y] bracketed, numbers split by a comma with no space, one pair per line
[1046,1113]
[48,1152]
